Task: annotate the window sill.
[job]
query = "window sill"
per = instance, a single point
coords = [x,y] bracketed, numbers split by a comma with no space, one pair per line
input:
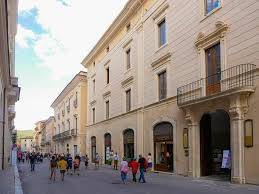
[210,13]
[161,47]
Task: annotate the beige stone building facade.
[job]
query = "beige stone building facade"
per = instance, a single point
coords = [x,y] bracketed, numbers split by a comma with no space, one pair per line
[39,136]
[178,80]
[70,113]
[50,132]
[9,90]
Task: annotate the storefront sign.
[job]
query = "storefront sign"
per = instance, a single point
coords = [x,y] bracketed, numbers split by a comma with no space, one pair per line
[248,133]
[185,138]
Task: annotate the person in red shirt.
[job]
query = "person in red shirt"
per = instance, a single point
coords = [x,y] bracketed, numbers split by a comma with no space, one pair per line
[134,169]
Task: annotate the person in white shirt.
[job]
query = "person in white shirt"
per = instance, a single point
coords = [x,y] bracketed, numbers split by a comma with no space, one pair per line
[149,161]
[116,160]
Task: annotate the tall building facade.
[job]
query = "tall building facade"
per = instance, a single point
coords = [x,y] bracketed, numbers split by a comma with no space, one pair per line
[50,131]
[70,114]
[178,80]
[9,90]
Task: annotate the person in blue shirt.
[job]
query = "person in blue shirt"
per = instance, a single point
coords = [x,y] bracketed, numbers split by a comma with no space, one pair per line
[69,164]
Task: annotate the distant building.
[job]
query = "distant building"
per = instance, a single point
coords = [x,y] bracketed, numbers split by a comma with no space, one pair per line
[25,140]
[70,109]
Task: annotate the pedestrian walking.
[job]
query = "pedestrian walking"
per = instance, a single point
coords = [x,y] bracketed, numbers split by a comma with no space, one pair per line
[124,170]
[142,168]
[69,164]
[134,169]
[62,164]
[53,166]
[97,160]
[149,161]
[116,160]
[76,163]
[86,161]
[32,161]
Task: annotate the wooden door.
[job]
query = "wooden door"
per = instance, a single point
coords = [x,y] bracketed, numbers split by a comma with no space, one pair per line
[213,68]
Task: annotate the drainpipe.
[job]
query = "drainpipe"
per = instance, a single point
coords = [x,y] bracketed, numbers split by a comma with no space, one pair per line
[3,124]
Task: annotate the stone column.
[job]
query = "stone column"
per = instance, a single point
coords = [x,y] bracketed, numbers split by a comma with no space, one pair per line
[194,146]
[237,112]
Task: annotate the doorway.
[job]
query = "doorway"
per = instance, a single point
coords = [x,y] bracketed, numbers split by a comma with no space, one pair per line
[215,151]
[107,148]
[163,147]
[128,142]
[93,148]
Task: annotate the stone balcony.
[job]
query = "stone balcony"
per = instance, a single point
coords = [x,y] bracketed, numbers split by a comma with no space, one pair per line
[13,91]
[73,132]
[62,135]
[237,79]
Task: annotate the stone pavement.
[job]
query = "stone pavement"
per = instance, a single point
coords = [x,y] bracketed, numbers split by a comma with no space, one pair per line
[7,181]
[107,181]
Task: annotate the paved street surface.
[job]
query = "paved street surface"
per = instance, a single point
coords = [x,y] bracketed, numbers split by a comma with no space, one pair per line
[7,181]
[107,181]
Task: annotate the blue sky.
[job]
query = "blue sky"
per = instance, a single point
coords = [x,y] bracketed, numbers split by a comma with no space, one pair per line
[52,39]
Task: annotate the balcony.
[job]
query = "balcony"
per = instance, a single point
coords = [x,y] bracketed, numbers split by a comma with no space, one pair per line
[62,135]
[73,132]
[236,79]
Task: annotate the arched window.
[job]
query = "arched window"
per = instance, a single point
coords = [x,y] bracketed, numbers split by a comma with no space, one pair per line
[163,146]
[107,148]
[128,141]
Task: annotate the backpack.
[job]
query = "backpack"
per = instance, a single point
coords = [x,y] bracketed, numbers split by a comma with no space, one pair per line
[145,164]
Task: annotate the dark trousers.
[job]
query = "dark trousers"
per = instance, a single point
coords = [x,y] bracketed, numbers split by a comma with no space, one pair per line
[142,175]
[134,177]
[32,166]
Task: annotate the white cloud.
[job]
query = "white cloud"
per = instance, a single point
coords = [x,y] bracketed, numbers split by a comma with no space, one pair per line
[72,28]
[24,36]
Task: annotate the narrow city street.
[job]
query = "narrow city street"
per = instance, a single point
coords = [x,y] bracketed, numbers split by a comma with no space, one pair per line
[106,180]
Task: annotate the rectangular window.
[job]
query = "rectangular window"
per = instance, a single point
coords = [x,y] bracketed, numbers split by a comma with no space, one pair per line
[107,104]
[161,33]
[128,100]
[108,75]
[162,85]
[94,87]
[93,115]
[128,58]
[211,5]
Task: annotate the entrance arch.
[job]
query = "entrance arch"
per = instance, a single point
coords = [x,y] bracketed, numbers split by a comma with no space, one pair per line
[128,143]
[214,141]
[107,148]
[93,148]
[163,147]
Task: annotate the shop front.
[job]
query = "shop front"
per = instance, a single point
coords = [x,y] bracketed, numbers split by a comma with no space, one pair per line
[128,143]
[93,148]
[107,148]
[163,147]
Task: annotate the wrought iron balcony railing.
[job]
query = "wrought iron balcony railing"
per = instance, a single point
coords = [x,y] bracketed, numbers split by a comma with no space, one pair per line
[62,135]
[74,132]
[233,78]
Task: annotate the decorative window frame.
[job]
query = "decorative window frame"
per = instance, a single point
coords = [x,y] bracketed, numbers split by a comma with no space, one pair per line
[203,42]
[125,89]
[203,13]
[107,97]
[126,46]
[157,72]
[158,17]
